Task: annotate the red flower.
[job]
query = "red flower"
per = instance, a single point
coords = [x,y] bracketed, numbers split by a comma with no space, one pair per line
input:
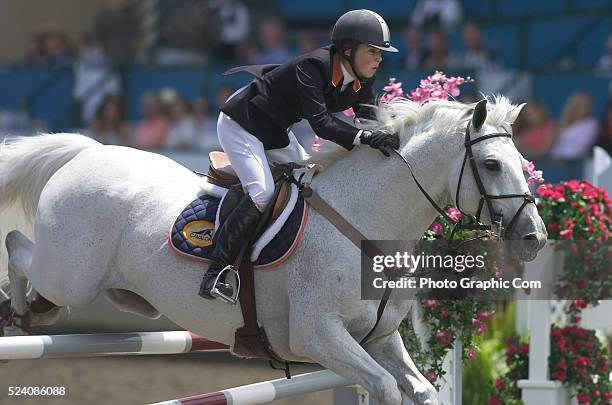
[590,194]
[607,396]
[443,313]
[561,344]
[500,384]
[524,348]
[431,376]
[583,398]
[573,185]
[494,401]
[443,338]
[510,350]
[578,304]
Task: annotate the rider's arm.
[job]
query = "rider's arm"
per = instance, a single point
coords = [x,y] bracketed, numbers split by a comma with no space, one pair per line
[310,84]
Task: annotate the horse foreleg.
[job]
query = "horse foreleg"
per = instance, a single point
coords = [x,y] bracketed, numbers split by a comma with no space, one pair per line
[389,352]
[327,342]
[42,311]
[19,249]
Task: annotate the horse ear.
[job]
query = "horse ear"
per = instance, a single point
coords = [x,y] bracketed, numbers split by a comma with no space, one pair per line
[514,113]
[480,114]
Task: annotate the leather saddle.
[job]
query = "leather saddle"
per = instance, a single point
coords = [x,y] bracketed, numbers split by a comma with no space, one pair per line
[222,174]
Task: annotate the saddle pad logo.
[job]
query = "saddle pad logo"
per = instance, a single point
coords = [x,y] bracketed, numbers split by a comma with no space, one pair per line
[199,233]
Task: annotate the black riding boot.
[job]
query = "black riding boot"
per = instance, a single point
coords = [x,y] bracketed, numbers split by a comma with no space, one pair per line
[237,230]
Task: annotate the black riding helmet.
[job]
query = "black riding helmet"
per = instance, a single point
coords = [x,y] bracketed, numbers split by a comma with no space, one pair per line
[361,26]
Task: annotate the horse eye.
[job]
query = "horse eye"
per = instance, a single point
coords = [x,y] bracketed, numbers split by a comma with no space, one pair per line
[492,164]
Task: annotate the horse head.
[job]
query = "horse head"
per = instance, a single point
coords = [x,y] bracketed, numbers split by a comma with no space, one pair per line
[487,180]
[464,155]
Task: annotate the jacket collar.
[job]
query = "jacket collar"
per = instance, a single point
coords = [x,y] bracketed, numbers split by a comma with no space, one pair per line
[338,75]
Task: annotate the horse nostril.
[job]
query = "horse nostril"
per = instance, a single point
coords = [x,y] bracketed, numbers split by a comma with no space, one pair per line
[531,237]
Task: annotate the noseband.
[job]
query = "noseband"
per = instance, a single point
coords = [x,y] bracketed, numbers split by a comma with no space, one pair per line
[484,196]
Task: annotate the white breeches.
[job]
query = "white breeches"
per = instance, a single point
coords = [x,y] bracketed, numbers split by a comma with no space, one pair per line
[250,161]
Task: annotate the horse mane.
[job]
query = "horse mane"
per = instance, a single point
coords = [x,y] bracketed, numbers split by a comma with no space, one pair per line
[399,114]
[409,117]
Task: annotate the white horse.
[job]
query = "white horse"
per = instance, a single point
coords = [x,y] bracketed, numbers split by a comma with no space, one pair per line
[102,214]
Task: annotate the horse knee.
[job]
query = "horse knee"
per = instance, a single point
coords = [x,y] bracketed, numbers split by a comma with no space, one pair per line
[425,394]
[19,249]
[386,391]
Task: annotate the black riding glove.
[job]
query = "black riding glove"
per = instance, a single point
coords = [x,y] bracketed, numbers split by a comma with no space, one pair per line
[381,140]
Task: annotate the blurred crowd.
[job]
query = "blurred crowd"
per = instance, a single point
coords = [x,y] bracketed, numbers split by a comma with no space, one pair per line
[224,32]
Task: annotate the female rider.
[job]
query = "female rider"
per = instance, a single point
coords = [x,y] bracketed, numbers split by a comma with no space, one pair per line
[257,119]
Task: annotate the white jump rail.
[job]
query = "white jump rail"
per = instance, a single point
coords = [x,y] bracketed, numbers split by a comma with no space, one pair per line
[104,344]
[263,392]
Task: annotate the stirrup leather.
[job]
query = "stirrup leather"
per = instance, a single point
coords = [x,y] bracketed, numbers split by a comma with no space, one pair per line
[223,297]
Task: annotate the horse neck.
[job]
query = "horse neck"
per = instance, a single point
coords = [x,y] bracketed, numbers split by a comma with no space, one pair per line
[378,196]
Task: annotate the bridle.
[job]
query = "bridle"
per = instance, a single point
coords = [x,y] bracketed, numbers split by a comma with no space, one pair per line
[475,223]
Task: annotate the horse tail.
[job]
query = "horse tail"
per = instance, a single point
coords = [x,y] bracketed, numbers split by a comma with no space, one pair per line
[28,162]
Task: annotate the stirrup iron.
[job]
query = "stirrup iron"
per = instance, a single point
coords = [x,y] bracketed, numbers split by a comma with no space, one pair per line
[218,294]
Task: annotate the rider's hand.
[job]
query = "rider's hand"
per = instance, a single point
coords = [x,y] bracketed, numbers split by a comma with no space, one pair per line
[381,140]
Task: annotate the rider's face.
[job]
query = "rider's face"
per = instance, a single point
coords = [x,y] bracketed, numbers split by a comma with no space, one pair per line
[367,59]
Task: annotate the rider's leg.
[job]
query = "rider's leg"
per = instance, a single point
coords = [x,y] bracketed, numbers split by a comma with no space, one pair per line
[247,156]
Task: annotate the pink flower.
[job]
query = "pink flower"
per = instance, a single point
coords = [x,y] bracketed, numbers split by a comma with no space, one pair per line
[392,90]
[436,228]
[471,353]
[437,77]
[431,376]
[535,176]
[484,315]
[436,87]
[430,304]
[444,313]
[524,348]
[454,213]
[500,384]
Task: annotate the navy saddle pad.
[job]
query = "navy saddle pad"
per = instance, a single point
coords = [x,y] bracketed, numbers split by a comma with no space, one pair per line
[193,231]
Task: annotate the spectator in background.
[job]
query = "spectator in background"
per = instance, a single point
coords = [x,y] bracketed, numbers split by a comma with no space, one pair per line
[58,51]
[437,55]
[50,47]
[413,39]
[151,132]
[475,55]
[605,62]
[307,42]
[182,134]
[116,29]
[605,136]
[93,78]
[272,38]
[190,30]
[35,53]
[205,125]
[441,14]
[537,130]
[110,126]
[234,18]
[578,128]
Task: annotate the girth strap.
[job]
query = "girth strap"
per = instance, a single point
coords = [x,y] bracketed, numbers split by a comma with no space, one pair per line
[353,234]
